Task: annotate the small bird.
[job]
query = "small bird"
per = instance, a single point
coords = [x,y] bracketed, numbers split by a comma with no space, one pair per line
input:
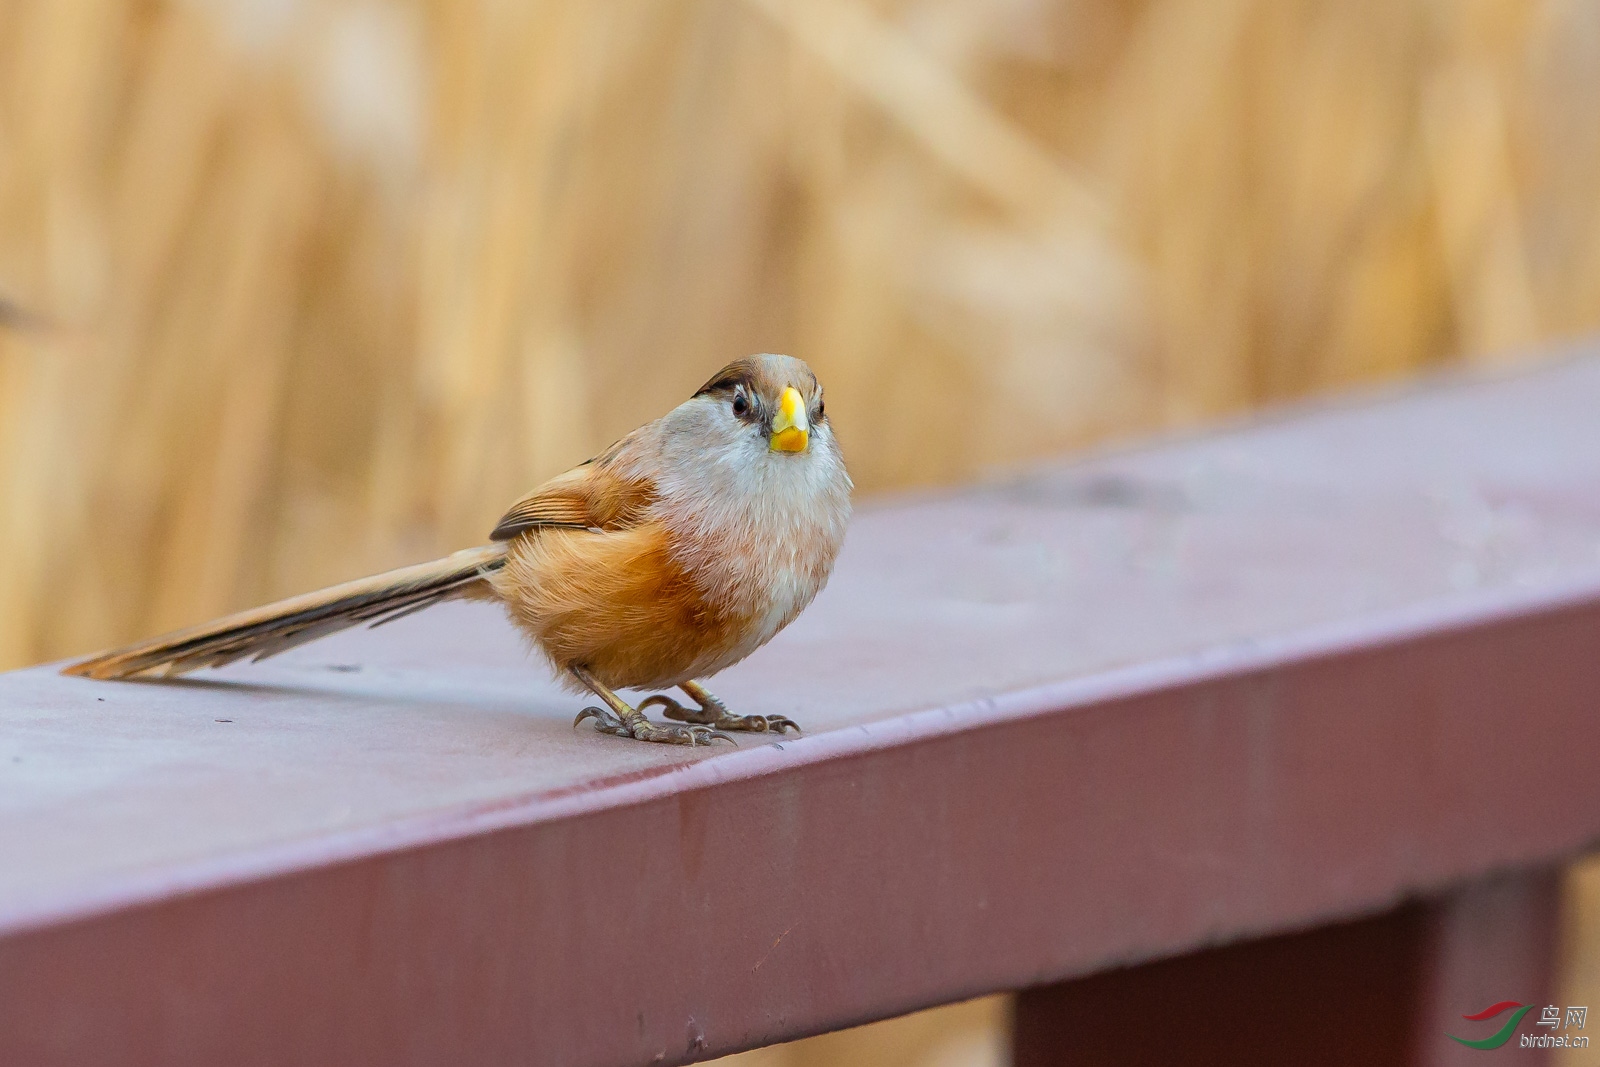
[672,555]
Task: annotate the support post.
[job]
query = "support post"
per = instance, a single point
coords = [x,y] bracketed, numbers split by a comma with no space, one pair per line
[1381,991]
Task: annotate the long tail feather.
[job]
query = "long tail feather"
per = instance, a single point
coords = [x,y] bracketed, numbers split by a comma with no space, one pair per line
[266,631]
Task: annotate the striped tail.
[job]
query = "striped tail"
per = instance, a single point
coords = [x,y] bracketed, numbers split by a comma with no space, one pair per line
[266,631]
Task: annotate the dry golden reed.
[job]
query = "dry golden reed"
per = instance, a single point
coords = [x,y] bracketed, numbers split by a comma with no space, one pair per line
[329,283]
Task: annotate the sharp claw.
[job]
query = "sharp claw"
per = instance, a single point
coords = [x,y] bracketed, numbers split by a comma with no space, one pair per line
[770,724]
[604,721]
[693,735]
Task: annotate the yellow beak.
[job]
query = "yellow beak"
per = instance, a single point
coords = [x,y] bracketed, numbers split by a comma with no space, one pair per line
[790,432]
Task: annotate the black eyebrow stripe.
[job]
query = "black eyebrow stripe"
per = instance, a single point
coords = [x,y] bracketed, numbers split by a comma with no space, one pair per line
[729,378]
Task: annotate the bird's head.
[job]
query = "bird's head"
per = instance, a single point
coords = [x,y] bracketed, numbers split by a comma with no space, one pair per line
[772,400]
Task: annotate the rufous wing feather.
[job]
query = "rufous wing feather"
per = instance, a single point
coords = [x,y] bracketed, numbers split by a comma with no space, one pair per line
[589,496]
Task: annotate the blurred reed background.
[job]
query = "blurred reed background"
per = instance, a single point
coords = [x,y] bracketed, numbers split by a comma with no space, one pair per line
[328,283]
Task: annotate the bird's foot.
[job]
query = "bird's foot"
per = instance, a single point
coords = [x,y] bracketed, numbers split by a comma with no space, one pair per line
[636,726]
[713,713]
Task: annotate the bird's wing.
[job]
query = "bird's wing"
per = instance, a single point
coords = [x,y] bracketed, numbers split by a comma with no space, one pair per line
[591,496]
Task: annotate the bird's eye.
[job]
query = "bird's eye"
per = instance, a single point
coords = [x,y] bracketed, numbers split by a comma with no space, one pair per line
[820,408]
[740,405]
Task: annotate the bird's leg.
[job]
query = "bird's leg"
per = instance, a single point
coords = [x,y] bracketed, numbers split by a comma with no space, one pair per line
[714,713]
[620,719]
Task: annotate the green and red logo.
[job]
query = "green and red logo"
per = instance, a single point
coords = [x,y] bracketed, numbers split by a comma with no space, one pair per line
[1500,1036]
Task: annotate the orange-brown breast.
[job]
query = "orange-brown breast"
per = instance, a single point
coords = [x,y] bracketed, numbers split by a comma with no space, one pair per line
[616,603]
